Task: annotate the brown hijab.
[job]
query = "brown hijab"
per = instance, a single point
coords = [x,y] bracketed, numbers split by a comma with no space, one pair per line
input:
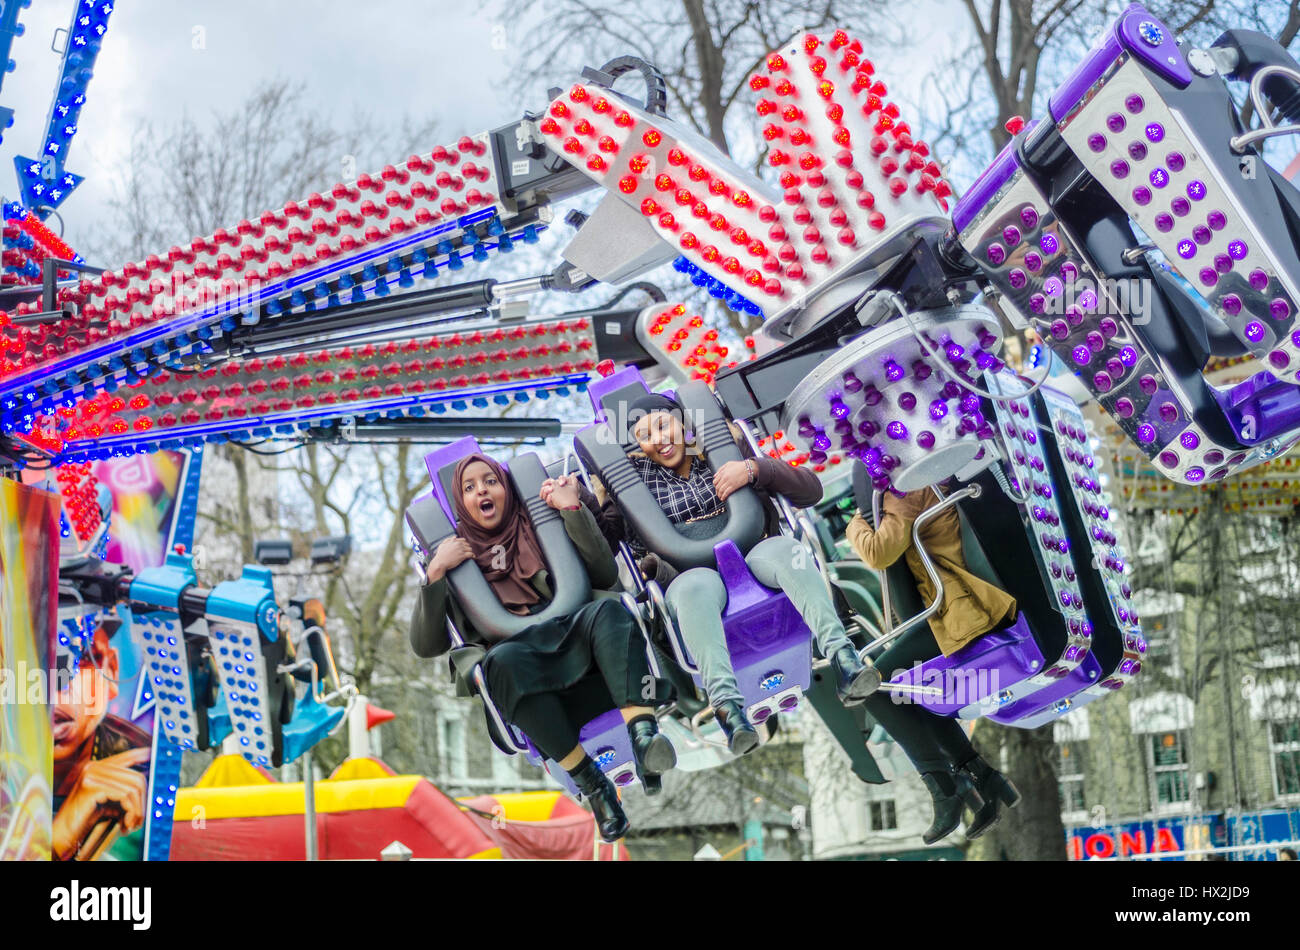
[508,555]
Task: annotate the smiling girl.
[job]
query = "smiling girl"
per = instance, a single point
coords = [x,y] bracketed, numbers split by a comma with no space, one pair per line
[693,496]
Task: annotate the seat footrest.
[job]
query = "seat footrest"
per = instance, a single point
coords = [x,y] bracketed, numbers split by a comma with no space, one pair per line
[979,672]
[1080,678]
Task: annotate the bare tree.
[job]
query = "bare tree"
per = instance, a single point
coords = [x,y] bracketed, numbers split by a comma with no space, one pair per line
[200,174]
[706,49]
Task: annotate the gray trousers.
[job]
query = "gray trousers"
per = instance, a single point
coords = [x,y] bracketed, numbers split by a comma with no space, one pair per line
[697,598]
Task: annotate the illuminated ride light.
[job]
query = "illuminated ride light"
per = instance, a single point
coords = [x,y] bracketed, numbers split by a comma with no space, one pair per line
[127,441]
[882,399]
[432,206]
[488,364]
[852,176]
[44,183]
[683,343]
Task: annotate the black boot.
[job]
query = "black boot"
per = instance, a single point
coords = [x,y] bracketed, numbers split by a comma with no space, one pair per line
[950,791]
[854,680]
[996,790]
[653,753]
[597,789]
[741,736]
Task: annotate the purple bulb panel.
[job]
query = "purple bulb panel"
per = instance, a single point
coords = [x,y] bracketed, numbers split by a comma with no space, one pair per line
[1146,40]
[1182,202]
[1060,555]
[1090,324]
[908,420]
[1083,482]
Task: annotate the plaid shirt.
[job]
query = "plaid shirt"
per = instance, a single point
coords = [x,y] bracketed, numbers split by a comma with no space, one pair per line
[682,499]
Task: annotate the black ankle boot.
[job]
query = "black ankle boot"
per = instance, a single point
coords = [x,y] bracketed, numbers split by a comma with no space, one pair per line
[996,790]
[597,789]
[854,680]
[741,735]
[951,791]
[653,753]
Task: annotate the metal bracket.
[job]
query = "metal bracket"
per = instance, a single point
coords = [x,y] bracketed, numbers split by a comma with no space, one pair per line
[1266,129]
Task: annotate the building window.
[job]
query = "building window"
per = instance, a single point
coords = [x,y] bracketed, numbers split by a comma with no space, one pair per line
[1284,750]
[1070,776]
[1167,764]
[455,761]
[1161,635]
[883,816]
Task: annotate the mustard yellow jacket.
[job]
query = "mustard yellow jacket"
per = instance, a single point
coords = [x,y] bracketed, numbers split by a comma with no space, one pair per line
[971,607]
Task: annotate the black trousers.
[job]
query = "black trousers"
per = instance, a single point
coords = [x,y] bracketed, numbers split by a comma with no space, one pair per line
[595,663]
[933,743]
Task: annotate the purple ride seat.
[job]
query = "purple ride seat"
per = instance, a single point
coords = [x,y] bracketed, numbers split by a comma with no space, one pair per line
[769,643]
[605,738]
[995,676]
[978,672]
[993,673]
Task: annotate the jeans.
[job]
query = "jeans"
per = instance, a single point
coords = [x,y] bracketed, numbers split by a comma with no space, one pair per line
[696,599]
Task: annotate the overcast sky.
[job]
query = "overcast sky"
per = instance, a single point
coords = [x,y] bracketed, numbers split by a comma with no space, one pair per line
[162,58]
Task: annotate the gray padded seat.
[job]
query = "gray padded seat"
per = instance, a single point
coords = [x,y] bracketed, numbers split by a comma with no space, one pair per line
[568,576]
[604,453]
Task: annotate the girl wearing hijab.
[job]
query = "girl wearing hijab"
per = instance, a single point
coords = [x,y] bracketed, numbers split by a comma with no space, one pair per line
[693,497]
[552,677]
